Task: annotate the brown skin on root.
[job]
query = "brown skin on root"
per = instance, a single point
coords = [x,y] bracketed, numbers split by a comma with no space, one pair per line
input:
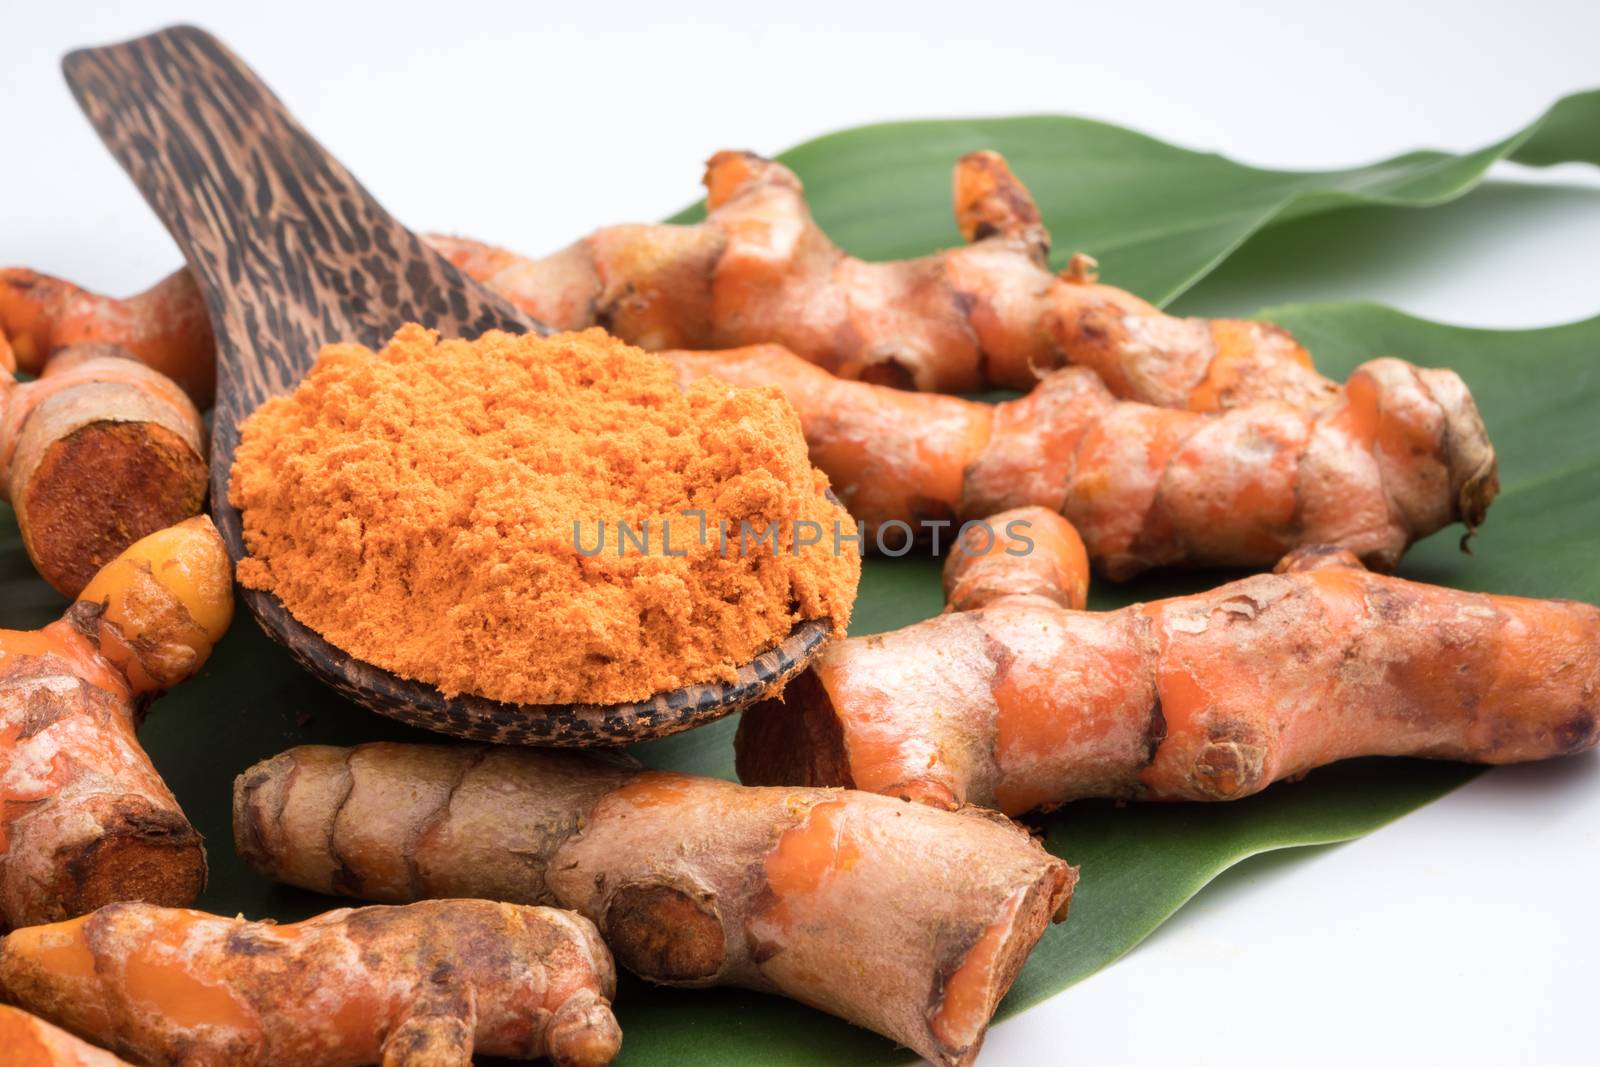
[903,919]
[1018,704]
[84,817]
[421,986]
[759,270]
[1400,454]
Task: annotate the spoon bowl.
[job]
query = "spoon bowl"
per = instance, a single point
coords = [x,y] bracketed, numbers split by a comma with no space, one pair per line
[291,254]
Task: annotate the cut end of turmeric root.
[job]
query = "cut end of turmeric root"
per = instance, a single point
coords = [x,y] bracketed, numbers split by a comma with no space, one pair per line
[95,454]
[85,818]
[797,738]
[143,848]
[99,485]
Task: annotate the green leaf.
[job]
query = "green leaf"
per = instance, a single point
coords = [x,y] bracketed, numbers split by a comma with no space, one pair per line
[1538,390]
[1160,217]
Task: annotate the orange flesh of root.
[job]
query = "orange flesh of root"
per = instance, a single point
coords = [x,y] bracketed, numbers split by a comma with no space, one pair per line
[60,948]
[878,739]
[805,857]
[62,640]
[1362,392]
[1029,729]
[119,652]
[968,999]
[725,173]
[163,983]
[179,561]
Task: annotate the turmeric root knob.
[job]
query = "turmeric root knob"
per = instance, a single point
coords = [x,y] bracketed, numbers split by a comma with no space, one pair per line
[160,607]
[84,817]
[421,986]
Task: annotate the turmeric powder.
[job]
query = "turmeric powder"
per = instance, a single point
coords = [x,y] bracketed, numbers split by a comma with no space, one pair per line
[538,520]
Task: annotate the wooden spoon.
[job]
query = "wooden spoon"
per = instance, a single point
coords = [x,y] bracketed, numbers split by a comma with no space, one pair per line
[292,253]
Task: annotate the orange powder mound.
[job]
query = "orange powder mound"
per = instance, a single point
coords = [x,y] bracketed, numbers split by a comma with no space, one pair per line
[416,506]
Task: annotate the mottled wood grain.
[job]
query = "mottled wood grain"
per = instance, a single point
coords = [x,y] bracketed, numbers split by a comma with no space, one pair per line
[292,253]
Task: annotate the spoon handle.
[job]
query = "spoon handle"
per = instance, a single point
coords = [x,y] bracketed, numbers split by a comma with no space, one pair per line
[291,253]
[288,248]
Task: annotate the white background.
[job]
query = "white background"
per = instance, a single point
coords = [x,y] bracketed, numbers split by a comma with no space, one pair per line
[1463,934]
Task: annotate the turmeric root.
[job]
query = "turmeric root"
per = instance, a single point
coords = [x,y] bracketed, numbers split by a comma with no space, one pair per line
[1398,455]
[165,327]
[29,1041]
[1402,453]
[95,454]
[420,986]
[84,817]
[1019,704]
[906,920]
[760,270]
